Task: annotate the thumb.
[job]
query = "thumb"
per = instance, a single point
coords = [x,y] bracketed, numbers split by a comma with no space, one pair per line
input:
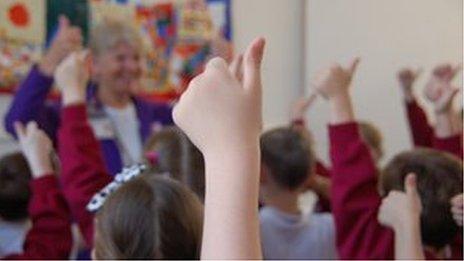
[63,22]
[353,65]
[410,185]
[252,65]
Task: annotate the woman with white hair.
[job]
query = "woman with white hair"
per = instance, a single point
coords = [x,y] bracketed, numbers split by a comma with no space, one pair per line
[121,120]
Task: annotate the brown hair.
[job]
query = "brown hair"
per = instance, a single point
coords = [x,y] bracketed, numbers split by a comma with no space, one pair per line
[439,178]
[14,187]
[177,156]
[372,136]
[287,155]
[149,217]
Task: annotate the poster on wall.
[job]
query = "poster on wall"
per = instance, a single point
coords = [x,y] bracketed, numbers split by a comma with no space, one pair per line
[179,36]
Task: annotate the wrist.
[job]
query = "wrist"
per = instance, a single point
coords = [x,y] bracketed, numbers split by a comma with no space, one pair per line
[71,98]
[408,222]
[47,67]
[40,167]
[341,109]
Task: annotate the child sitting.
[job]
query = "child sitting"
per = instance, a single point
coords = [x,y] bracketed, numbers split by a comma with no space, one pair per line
[286,232]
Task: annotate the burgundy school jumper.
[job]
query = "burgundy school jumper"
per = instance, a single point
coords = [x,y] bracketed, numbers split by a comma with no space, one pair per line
[83,166]
[50,235]
[355,200]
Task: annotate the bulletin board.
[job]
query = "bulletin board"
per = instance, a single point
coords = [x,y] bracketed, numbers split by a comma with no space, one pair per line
[178,36]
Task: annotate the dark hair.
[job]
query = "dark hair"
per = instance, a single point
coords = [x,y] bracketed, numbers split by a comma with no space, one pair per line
[439,178]
[177,155]
[14,187]
[150,217]
[287,155]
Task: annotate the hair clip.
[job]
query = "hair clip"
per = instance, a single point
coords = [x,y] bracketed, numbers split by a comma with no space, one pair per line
[152,157]
[124,176]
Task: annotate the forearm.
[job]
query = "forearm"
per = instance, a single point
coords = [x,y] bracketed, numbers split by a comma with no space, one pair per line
[341,109]
[83,169]
[232,181]
[444,124]
[29,101]
[408,243]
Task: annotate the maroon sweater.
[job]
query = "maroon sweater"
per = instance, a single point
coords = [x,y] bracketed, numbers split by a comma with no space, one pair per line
[50,236]
[83,167]
[355,200]
[423,135]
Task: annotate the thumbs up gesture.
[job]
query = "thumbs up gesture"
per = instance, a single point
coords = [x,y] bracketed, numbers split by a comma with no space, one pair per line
[401,208]
[222,107]
[335,80]
[68,39]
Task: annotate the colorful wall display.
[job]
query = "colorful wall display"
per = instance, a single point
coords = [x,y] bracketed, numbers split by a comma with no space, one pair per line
[178,35]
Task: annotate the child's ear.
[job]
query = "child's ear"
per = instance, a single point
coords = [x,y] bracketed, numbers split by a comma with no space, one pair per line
[263,174]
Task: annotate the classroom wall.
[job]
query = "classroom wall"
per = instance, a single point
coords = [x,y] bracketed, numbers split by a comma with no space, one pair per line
[387,35]
[282,24]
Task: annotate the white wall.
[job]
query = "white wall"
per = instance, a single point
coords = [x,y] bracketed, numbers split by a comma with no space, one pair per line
[387,34]
[281,23]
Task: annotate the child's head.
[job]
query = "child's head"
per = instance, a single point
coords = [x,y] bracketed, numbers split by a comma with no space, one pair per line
[149,217]
[172,152]
[439,178]
[286,158]
[14,187]
[373,138]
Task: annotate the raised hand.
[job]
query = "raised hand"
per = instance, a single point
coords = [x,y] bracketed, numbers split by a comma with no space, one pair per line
[36,147]
[333,84]
[457,208]
[439,81]
[446,72]
[401,208]
[72,75]
[68,39]
[221,115]
[218,110]
[335,80]
[407,77]
[302,105]
[401,211]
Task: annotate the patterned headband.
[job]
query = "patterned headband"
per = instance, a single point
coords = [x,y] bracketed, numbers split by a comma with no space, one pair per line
[126,175]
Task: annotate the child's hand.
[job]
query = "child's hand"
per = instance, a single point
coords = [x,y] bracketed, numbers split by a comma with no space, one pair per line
[401,208]
[301,106]
[217,111]
[457,209]
[335,80]
[72,76]
[440,79]
[443,102]
[407,77]
[68,39]
[446,72]
[36,147]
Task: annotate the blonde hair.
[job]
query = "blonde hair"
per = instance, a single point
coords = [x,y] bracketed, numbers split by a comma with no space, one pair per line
[372,136]
[111,32]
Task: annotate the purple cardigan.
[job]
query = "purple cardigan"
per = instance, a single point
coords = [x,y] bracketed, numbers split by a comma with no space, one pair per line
[30,104]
